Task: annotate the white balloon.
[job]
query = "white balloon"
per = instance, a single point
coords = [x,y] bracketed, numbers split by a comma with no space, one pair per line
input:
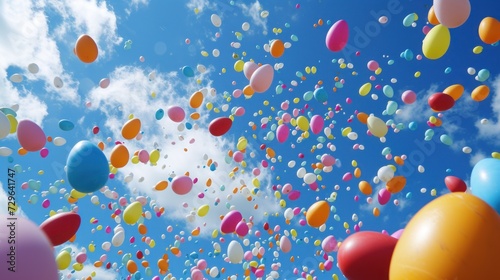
[216,20]
[5,152]
[385,173]
[235,252]
[59,141]
[16,78]
[58,83]
[33,68]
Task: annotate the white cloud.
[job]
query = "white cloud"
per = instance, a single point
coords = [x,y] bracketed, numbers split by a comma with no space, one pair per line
[199,5]
[491,129]
[477,157]
[185,150]
[253,11]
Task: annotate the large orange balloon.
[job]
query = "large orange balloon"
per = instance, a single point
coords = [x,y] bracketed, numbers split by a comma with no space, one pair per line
[131,128]
[119,156]
[277,48]
[86,49]
[318,213]
[489,30]
[453,237]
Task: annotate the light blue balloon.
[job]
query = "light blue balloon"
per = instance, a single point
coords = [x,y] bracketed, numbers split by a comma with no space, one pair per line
[388,91]
[408,54]
[485,181]
[188,71]
[483,75]
[320,94]
[445,139]
[447,70]
[308,96]
[87,167]
[409,19]
[391,107]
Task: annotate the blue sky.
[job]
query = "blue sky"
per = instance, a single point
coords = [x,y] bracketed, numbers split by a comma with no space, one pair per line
[44,32]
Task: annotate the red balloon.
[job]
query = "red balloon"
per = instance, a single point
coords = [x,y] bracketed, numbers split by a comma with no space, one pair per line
[455,184]
[61,227]
[220,126]
[366,255]
[441,102]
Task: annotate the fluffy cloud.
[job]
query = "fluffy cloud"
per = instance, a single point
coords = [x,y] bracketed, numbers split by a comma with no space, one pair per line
[253,11]
[491,129]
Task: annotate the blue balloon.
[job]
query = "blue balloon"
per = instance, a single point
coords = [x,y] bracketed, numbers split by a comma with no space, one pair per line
[320,94]
[188,71]
[87,167]
[485,181]
[66,125]
[159,114]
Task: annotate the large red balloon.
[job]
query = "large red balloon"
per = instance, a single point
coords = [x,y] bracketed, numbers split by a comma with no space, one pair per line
[220,126]
[455,184]
[441,102]
[366,255]
[61,227]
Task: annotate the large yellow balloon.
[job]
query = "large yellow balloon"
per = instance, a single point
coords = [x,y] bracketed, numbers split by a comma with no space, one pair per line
[453,237]
[63,260]
[436,42]
[376,126]
[303,123]
[132,213]
[318,213]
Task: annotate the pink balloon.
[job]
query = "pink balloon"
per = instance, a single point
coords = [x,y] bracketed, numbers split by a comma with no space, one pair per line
[33,257]
[316,123]
[143,156]
[81,257]
[30,136]
[285,244]
[176,113]
[196,274]
[201,264]
[242,228]
[347,176]
[329,244]
[46,203]
[294,195]
[282,133]
[328,265]
[426,29]
[182,185]
[327,160]
[104,83]
[409,97]
[238,156]
[230,221]
[372,65]
[452,13]
[240,111]
[287,188]
[262,78]
[384,196]
[44,152]
[337,36]
[248,68]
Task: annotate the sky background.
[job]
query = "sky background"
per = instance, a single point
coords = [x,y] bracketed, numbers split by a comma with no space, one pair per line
[169,35]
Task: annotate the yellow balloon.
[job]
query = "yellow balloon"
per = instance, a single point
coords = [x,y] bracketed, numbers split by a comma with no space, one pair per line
[132,213]
[154,156]
[238,65]
[376,126]
[303,123]
[76,194]
[365,89]
[13,123]
[63,260]
[436,42]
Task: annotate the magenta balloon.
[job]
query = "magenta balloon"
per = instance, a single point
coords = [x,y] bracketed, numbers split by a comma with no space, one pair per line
[329,244]
[294,195]
[316,123]
[262,78]
[285,244]
[337,36]
[230,221]
[384,196]
[452,13]
[328,265]
[347,176]
[30,136]
[398,233]
[409,97]
[248,68]
[241,228]
[282,133]
[176,113]
[327,160]
[33,254]
[182,185]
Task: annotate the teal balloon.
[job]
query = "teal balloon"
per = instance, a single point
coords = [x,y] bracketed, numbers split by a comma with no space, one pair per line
[407,54]
[66,125]
[8,111]
[308,95]
[483,75]
[445,139]
[320,94]
[188,71]
[388,91]
[391,107]
[409,19]
[447,70]
[159,114]
[485,181]
[87,167]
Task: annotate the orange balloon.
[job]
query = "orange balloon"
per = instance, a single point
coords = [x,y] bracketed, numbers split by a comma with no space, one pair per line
[318,213]
[365,188]
[196,100]
[480,93]
[142,229]
[362,117]
[431,17]
[131,128]
[163,264]
[131,266]
[162,185]
[454,91]
[277,48]
[398,160]
[195,115]
[396,184]
[22,151]
[454,236]
[86,49]
[119,156]
[489,30]
[357,172]
[376,212]
[248,91]
[270,152]
[101,145]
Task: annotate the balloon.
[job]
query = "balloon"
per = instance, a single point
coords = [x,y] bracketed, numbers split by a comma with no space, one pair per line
[383,196]
[119,156]
[235,252]
[61,227]
[242,228]
[87,167]
[104,83]
[188,71]
[489,30]
[66,125]
[5,126]
[436,42]
[431,17]
[132,213]
[131,128]
[365,89]
[176,113]
[262,78]
[248,68]
[365,188]
[118,238]
[409,97]
[484,181]
[367,255]
[196,100]
[285,244]
[452,13]
[316,124]
[216,20]
[182,185]
[282,133]
[318,213]
[441,102]
[329,244]
[229,222]
[398,233]
[396,184]
[220,126]
[33,68]
[454,91]
[337,36]
[320,94]
[86,49]
[376,126]
[277,48]
[59,141]
[63,260]
[34,258]
[303,123]
[455,184]
[159,114]
[30,136]
[430,247]
[480,93]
